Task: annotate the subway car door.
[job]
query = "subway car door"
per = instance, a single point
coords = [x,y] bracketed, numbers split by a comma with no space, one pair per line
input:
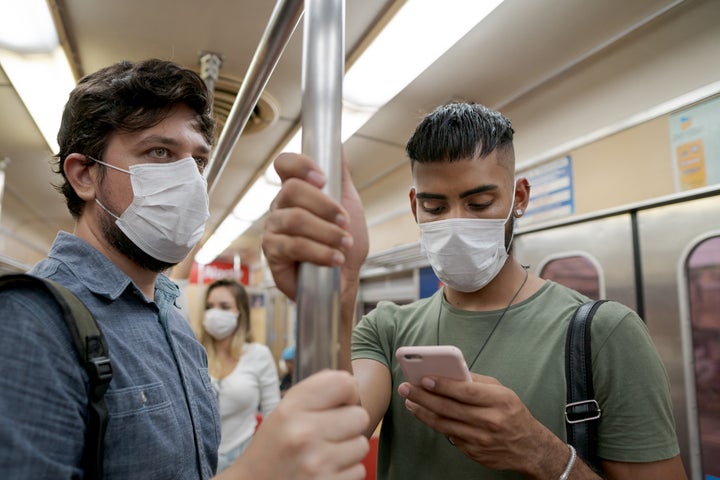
[664,262]
[594,257]
[680,257]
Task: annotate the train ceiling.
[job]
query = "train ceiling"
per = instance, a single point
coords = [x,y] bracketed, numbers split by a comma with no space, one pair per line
[522,46]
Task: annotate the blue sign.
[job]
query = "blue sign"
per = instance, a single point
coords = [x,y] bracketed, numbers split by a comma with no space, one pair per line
[551,191]
[429,283]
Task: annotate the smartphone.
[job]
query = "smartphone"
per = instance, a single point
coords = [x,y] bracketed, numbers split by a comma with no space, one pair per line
[432,361]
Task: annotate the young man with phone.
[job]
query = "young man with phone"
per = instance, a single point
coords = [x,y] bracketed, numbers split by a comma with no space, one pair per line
[508,422]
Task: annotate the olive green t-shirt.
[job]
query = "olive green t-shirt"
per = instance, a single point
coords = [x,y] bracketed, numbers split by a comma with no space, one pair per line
[526,353]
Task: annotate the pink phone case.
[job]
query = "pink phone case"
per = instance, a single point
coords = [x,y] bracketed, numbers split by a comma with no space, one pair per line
[432,361]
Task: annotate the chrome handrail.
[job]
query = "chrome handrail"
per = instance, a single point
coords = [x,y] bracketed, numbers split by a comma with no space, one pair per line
[283,21]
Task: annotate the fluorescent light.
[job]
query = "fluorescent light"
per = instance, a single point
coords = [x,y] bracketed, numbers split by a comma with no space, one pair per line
[354,117]
[419,33]
[255,202]
[251,207]
[35,63]
[271,176]
[225,234]
[27,27]
[294,145]
[43,82]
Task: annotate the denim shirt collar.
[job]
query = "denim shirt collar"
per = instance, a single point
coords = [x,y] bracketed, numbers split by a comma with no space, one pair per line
[99,274]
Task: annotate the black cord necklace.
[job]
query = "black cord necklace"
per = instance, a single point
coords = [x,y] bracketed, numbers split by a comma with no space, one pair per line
[497,322]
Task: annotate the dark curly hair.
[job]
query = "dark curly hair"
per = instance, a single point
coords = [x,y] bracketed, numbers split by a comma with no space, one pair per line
[126,96]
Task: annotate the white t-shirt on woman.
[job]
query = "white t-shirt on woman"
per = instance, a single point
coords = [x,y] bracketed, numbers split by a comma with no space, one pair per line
[252,387]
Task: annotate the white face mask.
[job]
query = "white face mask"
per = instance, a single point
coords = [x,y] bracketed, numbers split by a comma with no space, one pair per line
[219,323]
[465,253]
[168,214]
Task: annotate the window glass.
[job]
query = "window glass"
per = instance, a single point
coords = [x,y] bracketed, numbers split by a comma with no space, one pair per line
[703,274]
[576,272]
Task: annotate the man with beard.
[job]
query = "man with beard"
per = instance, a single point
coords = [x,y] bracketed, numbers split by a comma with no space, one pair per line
[508,422]
[134,140]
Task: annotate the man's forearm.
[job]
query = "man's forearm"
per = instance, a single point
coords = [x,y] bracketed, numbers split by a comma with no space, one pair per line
[348,302]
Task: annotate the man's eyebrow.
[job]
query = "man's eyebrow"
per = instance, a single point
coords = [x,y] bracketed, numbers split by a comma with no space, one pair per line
[430,196]
[480,189]
[159,139]
[169,141]
[466,193]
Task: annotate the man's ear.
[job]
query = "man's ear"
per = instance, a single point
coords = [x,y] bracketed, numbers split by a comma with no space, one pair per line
[413,205]
[522,194]
[79,176]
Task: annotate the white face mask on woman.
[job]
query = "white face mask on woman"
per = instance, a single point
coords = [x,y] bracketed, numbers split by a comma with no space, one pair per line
[466,253]
[219,323]
[168,213]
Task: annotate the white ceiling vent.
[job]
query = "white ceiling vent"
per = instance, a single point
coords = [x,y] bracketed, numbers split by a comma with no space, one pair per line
[263,115]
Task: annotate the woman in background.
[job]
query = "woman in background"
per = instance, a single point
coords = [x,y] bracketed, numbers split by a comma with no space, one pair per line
[243,372]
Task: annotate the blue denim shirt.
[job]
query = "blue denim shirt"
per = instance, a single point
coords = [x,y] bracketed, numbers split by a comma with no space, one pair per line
[163,418]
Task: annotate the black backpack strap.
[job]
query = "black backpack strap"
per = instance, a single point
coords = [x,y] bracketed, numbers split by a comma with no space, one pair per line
[92,350]
[582,411]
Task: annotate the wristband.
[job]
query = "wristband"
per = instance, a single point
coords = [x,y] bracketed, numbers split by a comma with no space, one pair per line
[573,455]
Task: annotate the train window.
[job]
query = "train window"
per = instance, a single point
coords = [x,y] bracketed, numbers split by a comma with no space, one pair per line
[703,277]
[574,271]
[399,287]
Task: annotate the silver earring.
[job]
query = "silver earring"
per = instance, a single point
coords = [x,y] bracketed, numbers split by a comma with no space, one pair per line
[518,212]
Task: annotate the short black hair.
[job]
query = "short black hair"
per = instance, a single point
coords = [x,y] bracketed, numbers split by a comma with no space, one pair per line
[458,131]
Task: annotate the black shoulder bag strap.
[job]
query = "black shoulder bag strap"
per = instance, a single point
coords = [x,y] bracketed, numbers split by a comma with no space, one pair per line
[582,411]
[92,350]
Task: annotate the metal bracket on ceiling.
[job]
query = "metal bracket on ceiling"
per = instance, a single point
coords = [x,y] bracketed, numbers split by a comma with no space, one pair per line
[210,64]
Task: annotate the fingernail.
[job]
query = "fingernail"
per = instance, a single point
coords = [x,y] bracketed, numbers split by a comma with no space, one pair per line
[428,383]
[341,220]
[316,178]
[346,241]
[338,259]
[403,390]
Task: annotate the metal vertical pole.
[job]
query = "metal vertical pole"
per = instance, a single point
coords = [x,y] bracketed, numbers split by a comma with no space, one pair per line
[318,299]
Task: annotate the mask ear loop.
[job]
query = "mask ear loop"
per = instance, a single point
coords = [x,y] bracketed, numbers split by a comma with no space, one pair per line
[108,211]
[108,165]
[113,167]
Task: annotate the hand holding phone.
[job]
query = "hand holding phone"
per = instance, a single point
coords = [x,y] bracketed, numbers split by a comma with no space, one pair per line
[432,361]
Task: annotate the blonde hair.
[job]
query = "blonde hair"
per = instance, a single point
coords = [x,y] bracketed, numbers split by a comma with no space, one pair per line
[242,333]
